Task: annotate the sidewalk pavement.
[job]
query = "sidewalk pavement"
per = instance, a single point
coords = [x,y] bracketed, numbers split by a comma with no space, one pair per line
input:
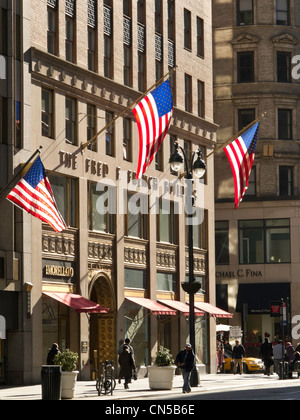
[139,390]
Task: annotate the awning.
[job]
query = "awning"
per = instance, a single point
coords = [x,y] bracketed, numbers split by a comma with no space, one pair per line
[154,307]
[180,306]
[212,310]
[77,302]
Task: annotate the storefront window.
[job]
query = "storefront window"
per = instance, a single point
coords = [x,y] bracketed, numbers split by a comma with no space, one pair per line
[99,217]
[137,215]
[264,241]
[137,330]
[55,325]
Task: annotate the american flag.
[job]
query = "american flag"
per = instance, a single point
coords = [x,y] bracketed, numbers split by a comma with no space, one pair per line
[34,194]
[241,154]
[153,116]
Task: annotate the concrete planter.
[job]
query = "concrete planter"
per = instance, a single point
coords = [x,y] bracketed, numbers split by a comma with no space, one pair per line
[161,377]
[68,383]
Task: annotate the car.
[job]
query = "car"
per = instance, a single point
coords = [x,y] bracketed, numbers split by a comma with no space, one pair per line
[250,364]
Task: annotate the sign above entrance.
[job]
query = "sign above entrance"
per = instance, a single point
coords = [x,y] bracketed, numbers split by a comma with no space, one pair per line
[240,273]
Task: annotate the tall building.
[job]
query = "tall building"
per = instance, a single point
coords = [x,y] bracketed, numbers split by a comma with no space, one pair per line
[256,52]
[72,67]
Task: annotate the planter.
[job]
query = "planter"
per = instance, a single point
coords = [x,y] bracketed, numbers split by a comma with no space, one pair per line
[68,383]
[161,377]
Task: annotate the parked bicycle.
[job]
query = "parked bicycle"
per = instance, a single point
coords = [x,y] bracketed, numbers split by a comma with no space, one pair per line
[106,382]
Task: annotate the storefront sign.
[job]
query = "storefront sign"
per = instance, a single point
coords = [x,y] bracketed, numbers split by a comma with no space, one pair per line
[240,273]
[57,271]
[61,271]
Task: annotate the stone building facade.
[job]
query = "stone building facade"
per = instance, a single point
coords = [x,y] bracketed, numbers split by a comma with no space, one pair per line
[72,67]
[256,52]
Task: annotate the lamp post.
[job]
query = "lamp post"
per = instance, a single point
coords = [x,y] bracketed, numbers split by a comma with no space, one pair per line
[191,287]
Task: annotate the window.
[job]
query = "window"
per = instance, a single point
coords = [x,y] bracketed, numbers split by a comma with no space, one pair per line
[200,37]
[18,124]
[47,113]
[188,93]
[284,60]
[136,218]
[127,152]
[127,65]
[251,191]
[201,99]
[245,62]
[99,217]
[187,29]
[282,12]
[3,120]
[70,39]
[245,117]
[108,39]
[166,282]
[51,30]
[110,134]
[65,192]
[158,16]
[141,12]
[285,131]
[222,242]
[264,241]
[171,20]
[92,53]
[141,71]
[286,184]
[199,221]
[166,222]
[136,279]
[71,121]
[245,12]
[91,127]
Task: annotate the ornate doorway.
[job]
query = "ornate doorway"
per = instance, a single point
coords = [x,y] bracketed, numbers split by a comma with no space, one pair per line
[102,327]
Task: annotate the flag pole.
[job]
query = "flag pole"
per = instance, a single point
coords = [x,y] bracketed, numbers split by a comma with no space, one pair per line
[84,145]
[21,172]
[221,146]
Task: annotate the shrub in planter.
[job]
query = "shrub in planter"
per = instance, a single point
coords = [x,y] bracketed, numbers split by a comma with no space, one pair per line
[68,362]
[161,374]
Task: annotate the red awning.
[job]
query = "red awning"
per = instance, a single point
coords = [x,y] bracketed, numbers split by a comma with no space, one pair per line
[212,310]
[180,306]
[77,302]
[154,307]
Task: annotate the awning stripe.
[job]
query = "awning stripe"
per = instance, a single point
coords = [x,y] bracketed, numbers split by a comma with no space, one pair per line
[77,302]
[212,310]
[180,306]
[154,307]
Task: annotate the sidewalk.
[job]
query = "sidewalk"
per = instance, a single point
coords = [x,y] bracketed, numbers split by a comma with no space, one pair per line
[86,390]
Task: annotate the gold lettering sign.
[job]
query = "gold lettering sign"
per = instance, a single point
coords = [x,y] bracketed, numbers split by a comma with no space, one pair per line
[58,271]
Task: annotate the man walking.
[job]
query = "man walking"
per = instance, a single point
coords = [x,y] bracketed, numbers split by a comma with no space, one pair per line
[185,359]
[237,356]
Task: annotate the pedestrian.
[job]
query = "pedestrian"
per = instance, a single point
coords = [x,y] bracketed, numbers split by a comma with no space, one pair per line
[278,351]
[266,352]
[220,355]
[238,352]
[52,353]
[290,352]
[127,343]
[185,360]
[127,365]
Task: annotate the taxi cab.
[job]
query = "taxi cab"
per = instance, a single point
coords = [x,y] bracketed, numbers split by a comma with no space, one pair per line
[250,364]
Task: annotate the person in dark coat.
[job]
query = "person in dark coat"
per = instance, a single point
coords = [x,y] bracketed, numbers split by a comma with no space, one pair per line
[127,365]
[52,353]
[238,352]
[185,360]
[266,352]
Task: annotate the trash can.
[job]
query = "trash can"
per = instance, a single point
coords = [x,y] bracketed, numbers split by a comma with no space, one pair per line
[283,370]
[51,382]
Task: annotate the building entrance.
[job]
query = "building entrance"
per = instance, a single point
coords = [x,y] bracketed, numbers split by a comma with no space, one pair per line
[102,326]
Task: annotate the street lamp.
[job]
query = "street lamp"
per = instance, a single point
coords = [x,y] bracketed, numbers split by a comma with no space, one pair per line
[191,287]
